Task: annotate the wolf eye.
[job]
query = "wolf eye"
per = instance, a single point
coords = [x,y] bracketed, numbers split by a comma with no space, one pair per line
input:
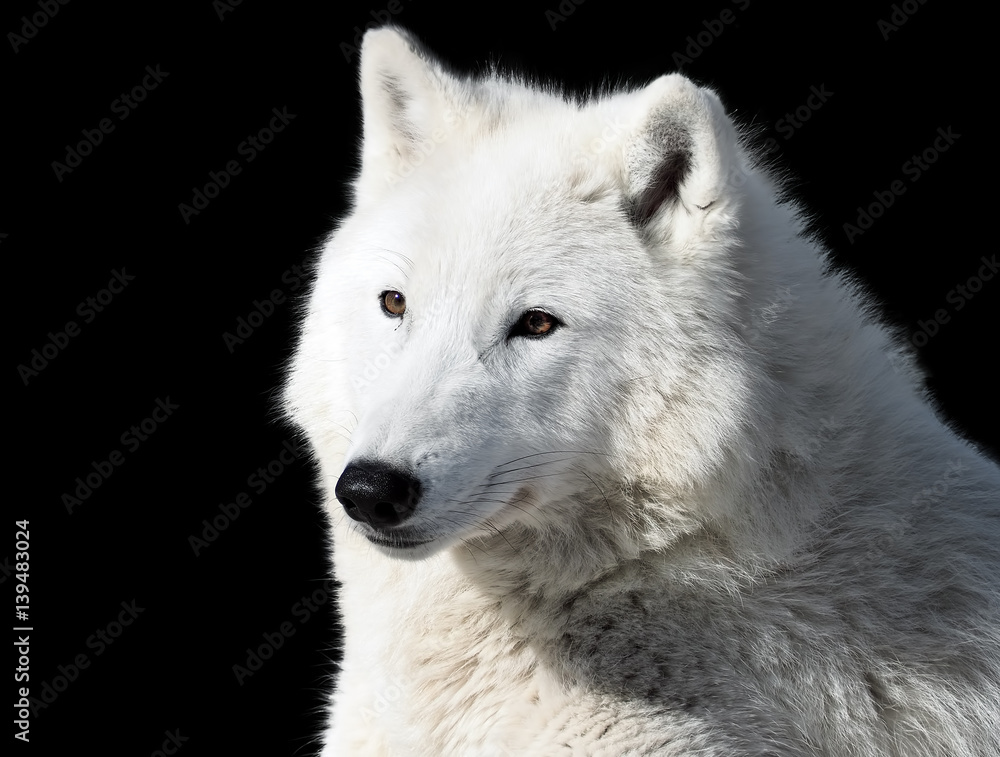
[393,303]
[534,323]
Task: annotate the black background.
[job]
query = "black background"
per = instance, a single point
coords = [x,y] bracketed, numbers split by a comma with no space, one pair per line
[162,336]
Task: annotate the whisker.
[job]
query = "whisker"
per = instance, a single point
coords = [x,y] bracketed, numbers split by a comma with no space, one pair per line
[605,496]
[405,259]
[477,501]
[526,467]
[519,480]
[553,452]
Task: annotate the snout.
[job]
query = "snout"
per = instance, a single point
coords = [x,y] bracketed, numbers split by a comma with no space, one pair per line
[378,494]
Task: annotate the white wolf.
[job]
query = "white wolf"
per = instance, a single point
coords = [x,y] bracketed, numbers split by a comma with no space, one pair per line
[622,468]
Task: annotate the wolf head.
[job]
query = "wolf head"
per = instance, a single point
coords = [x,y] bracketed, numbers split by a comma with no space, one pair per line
[527,317]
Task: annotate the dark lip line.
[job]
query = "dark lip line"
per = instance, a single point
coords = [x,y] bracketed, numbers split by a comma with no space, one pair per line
[396,543]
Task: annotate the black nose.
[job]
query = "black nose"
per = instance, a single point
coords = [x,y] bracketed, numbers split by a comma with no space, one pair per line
[377,494]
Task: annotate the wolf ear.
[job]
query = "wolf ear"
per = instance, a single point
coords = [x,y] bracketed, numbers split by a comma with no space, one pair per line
[680,161]
[407,100]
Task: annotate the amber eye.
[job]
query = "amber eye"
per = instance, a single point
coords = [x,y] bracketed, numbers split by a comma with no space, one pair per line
[393,303]
[535,323]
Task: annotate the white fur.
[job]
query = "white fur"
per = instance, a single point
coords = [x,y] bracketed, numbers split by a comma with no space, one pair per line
[713,513]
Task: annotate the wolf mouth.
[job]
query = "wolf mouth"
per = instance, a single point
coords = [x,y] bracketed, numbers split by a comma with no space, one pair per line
[397,542]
